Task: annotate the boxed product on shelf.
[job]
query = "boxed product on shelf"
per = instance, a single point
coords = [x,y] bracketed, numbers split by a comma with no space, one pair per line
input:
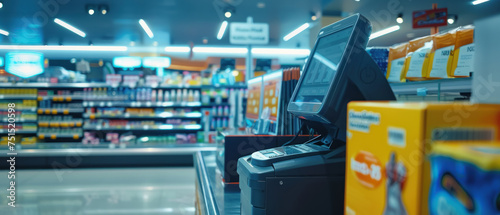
[380,55]
[465,178]
[417,62]
[463,53]
[18,92]
[441,57]
[387,143]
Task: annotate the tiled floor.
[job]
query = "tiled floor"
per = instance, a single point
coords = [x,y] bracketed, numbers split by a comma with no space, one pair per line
[101,191]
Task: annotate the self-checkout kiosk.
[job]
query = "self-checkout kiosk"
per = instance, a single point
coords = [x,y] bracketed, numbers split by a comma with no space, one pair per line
[308,178]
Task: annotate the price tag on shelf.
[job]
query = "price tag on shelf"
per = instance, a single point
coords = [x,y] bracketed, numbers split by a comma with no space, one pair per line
[126,115]
[47,111]
[69,98]
[113,79]
[112,146]
[130,80]
[101,104]
[66,111]
[91,104]
[127,127]
[152,80]
[1,96]
[123,145]
[53,136]
[54,111]
[98,127]
[110,104]
[146,127]
[148,104]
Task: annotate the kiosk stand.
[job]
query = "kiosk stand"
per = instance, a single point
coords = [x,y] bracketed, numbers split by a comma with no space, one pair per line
[309,178]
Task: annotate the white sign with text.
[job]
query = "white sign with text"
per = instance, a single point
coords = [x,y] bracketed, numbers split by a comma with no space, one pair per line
[248,33]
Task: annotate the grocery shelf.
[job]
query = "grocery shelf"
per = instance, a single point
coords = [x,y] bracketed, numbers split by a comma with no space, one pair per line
[55,111]
[223,86]
[97,85]
[21,120]
[139,104]
[456,85]
[60,98]
[32,109]
[57,136]
[60,124]
[193,115]
[191,127]
[5,131]
[176,149]
[19,97]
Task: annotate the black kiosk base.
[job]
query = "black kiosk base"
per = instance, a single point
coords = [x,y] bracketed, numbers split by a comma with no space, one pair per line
[310,183]
[309,178]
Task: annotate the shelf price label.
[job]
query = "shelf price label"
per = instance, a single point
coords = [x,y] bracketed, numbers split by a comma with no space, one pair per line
[130,80]
[113,79]
[152,80]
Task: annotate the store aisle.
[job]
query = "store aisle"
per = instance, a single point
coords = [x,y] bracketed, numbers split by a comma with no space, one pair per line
[101,191]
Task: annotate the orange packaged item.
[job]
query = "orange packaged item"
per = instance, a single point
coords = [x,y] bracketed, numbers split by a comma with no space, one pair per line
[440,58]
[396,64]
[463,54]
[417,61]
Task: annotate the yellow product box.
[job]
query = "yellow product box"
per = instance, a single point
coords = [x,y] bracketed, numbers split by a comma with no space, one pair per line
[387,143]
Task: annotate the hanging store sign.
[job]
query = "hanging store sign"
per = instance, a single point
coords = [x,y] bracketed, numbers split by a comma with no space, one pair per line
[127,62]
[248,33]
[430,18]
[24,64]
[156,62]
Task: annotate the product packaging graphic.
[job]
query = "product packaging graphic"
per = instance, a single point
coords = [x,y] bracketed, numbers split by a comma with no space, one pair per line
[465,178]
[387,168]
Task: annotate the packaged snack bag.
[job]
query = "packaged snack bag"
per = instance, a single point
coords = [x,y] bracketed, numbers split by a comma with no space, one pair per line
[440,57]
[395,68]
[417,60]
[463,53]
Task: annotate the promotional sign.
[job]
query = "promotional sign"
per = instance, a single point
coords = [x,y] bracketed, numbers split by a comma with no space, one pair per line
[248,33]
[130,80]
[113,79]
[127,62]
[1,61]
[24,64]
[430,18]
[152,80]
[156,62]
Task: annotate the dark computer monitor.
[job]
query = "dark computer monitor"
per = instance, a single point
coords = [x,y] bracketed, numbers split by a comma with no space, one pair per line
[338,71]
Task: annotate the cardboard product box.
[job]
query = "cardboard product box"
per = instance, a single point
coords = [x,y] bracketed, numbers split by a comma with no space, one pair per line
[387,171]
[465,178]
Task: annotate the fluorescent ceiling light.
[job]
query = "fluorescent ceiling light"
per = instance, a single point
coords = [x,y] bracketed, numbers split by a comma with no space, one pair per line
[70,27]
[64,48]
[220,50]
[4,32]
[146,28]
[222,29]
[177,49]
[278,51]
[479,2]
[384,32]
[296,31]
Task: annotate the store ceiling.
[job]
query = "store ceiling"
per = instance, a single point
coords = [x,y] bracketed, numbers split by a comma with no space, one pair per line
[375,11]
[178,22]
[181,22]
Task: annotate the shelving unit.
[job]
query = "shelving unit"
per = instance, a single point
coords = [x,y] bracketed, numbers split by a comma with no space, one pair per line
[74,94]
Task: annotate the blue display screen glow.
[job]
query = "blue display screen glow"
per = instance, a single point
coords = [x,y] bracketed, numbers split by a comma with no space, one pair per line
[1,61]
[24,64]
[156,62]
[127,62]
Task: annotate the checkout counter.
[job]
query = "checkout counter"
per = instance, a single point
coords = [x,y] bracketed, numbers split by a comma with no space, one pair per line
[212,196]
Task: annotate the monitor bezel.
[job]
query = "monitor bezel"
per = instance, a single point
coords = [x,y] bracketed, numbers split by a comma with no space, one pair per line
[316,107]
